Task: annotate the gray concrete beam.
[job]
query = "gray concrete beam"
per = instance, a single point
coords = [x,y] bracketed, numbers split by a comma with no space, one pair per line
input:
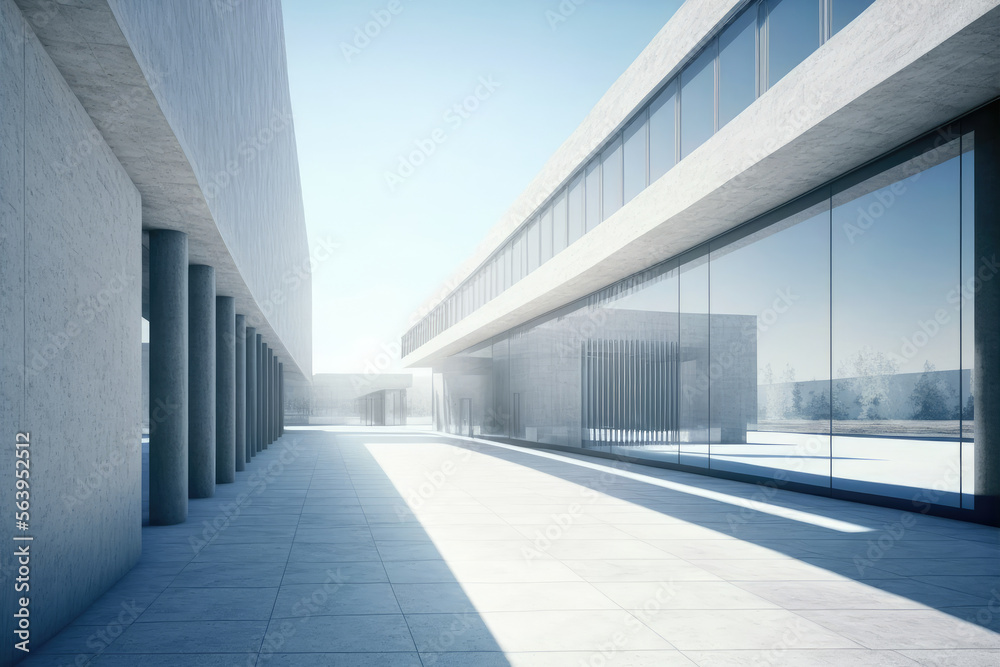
[225,390]
[168,377]
[201,381]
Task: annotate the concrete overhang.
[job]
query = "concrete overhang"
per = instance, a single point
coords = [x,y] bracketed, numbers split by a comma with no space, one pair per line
[91,52]
[898,71]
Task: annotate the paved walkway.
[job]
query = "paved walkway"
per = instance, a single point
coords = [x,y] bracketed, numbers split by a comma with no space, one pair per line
[375,549]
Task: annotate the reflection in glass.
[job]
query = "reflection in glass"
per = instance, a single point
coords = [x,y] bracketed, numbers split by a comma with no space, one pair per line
[575,205]
[593,194]
[770,349]
[793,33]
[694,363]
[967,304]
[845,11]
[698,101]
[560,238]
[611,170]
[635,157]
[498,420]
[631,366]
[737,65]
[896,343]
[663,132]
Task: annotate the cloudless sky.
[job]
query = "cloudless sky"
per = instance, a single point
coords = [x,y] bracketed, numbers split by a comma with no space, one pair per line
[357,113]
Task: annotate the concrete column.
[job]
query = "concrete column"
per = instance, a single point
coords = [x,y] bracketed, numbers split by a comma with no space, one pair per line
[168,377]
[253,435]
[274,403]
[261,373]
[225,390]
[241,394]
[281,399]
[270,394]
[986,369]
[201,381]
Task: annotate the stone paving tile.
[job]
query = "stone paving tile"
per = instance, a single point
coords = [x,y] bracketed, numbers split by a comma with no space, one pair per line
[407,550]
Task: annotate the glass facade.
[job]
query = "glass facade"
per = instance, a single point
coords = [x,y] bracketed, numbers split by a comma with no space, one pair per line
[698,101]
[759,46]
[827,343]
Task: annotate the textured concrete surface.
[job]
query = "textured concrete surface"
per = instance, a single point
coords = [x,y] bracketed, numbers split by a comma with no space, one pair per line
[253,435]
[262,391]
[225,389]
[242,451]
[987,311]
[71,354]
[415,549]
[207,140]
[168,377]
[866,91]
[201,381]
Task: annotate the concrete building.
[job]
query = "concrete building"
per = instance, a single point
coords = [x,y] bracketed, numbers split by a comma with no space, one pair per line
[822,172]
[147,171]
[354,398]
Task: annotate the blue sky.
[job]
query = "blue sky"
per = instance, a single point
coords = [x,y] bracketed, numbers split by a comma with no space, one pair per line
[359,108]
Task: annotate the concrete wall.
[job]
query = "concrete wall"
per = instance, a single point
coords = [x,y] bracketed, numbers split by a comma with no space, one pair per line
[69,340]
[219,74]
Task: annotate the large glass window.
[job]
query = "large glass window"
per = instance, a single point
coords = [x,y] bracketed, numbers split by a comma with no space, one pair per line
[593,193]
[663,132]
[560,238]
[770,347]
[896,337]
[827,343]
[738,65]
[545,235]
[576,209]
[634,156]
[793,33]
[534,244]
[967,304]
[845,11]
[694,363]
[611,171]
[506,272]
[698,101]
[518,259]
